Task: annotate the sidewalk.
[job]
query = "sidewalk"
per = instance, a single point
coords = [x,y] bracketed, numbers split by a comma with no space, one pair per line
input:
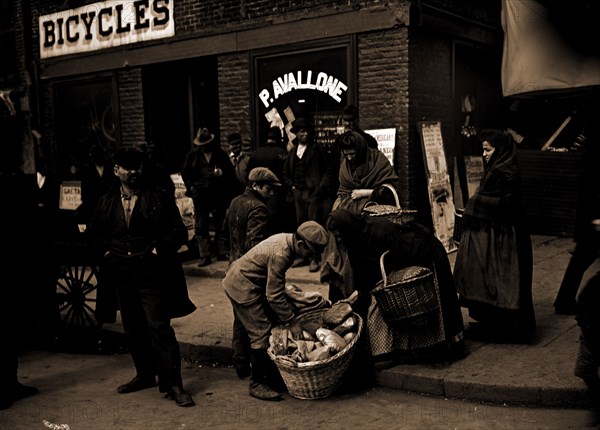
[539,374]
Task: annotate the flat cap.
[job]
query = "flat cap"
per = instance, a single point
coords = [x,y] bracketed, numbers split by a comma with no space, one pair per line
[263,175]
[314,234]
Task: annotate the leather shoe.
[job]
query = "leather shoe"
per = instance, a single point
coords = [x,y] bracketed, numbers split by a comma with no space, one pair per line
[136,384]
[203,261]
[263,392]
[181,398]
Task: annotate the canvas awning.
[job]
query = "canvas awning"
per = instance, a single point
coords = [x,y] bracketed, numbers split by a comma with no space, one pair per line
[537,57]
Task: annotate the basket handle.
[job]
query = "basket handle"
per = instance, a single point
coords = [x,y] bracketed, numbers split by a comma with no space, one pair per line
[381,266]
[395,193]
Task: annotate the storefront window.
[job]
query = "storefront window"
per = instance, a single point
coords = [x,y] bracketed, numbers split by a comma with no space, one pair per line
[85,117]
[314,83]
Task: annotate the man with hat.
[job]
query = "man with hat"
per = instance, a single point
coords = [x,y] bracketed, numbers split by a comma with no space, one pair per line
[210,180]
[255,285]
[246,225]
[272,155]
[308,173]
[139,230]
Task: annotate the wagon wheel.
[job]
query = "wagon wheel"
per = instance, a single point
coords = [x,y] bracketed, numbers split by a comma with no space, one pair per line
[76,290]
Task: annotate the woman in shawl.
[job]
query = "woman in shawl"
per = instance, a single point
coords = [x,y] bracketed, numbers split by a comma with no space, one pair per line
[494,263]
[352,262]
[364,174]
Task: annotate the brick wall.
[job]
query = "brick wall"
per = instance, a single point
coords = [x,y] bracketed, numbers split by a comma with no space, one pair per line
[430,100]
[234,96]
[383,93]
[131,106]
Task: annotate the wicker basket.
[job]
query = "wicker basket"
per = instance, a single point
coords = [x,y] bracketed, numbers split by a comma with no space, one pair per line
[392,213]
[406,295]
[316,379]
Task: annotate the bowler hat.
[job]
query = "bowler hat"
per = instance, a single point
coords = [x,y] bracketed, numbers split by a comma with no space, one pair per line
[263,175]
[203,136]
[300,124]
[128,157]
[314,234]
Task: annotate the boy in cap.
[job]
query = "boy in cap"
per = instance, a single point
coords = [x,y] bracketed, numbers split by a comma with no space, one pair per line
[245,226]
[255,285]
[139,230]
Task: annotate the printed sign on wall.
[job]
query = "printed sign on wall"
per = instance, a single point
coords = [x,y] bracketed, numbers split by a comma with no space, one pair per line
[105,25]
[386,141]
[70,195]
[440,191]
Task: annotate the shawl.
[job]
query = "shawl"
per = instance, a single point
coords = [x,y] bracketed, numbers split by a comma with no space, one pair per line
[491,205]
[371,169]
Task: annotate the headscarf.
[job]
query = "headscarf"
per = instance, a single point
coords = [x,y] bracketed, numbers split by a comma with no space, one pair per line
[369,169]
[499,185]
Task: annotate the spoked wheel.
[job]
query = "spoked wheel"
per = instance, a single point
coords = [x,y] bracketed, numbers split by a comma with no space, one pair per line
[76,290]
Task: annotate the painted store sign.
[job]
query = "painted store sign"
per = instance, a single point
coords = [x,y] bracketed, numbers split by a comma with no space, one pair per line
[105,25]
[319,81]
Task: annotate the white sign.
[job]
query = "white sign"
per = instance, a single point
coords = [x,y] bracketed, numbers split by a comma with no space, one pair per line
[105,25]
[304,80]
[70,195]
[184,204]
[386,141]
[440,191]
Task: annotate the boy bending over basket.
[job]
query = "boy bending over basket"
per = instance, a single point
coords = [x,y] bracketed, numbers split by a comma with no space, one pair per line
[255,285]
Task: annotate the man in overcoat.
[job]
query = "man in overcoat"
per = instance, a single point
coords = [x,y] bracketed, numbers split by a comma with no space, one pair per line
[308,173]
[138,232]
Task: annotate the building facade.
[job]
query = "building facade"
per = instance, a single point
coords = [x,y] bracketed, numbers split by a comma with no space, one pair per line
[124,72]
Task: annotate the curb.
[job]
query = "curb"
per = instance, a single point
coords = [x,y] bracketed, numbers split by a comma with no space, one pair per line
[550,397]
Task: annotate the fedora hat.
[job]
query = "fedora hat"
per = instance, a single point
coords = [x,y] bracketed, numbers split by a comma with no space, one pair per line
[301,124]
[203,137]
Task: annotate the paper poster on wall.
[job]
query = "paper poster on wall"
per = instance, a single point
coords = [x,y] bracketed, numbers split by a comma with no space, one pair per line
[386,141]
[184,204]
[438,180]
[70,195]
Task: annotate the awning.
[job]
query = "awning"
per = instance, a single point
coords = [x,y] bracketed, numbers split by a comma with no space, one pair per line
[537,57]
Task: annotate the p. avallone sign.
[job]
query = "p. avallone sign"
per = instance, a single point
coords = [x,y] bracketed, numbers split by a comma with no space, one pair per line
[105,25]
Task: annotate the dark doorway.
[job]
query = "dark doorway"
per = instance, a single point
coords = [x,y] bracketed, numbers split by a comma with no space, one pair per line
[179,97]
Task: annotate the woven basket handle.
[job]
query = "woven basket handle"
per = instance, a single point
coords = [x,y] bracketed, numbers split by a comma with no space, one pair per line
[381,265]
[393,190]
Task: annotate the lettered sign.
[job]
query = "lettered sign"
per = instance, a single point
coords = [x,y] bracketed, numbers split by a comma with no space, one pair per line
[438,181]
[105,25]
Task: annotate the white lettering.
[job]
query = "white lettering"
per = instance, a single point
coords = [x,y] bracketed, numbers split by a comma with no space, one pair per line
[264,97]
[293,81]
[105,24]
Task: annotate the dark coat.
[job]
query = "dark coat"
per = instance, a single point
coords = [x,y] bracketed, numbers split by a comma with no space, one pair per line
[270,156]
[247,219]
[197,173]
[318,171]
[157,222]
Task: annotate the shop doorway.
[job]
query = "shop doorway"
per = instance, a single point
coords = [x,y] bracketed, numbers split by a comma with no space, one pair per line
[179,97]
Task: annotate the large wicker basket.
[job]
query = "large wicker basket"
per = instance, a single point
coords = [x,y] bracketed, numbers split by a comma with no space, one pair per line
[316,379]
[407,295]
[392,213]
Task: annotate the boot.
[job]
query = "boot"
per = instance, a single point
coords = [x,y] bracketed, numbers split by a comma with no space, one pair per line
[203,251]
[258,382]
